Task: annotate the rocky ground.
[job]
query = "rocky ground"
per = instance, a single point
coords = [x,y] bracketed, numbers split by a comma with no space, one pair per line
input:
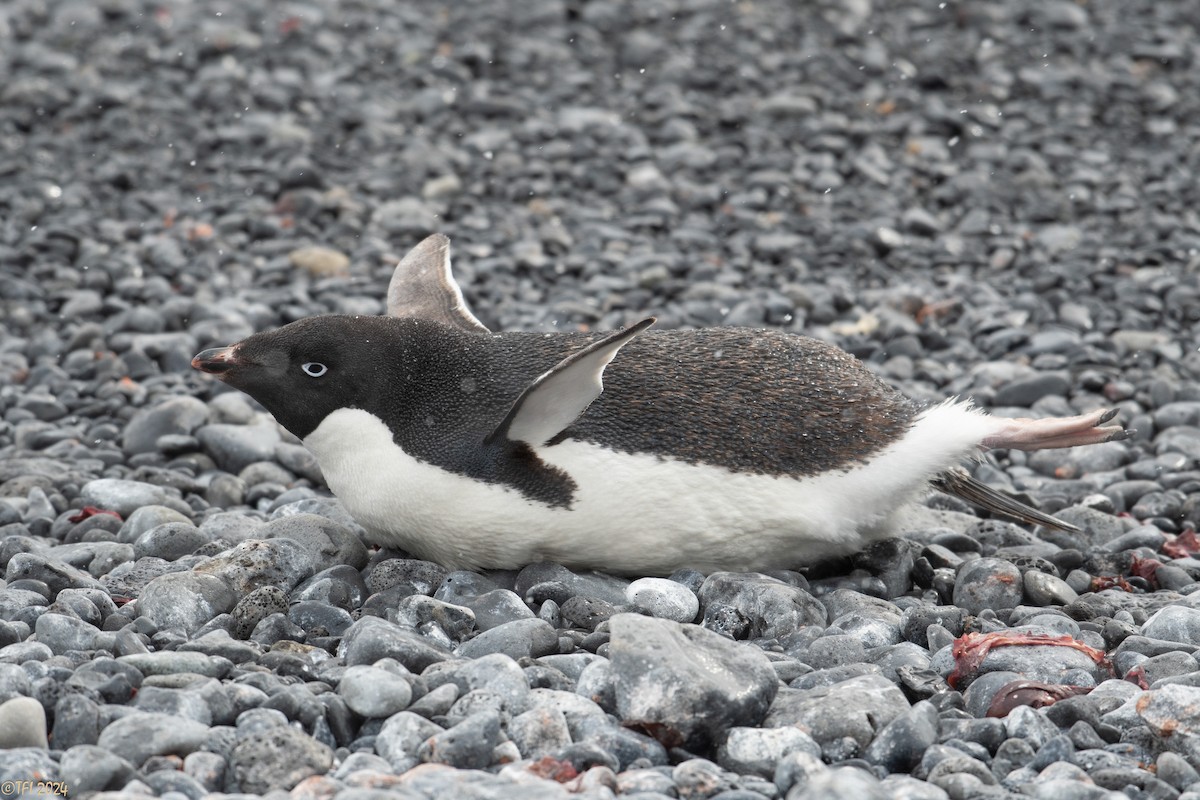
[995,200]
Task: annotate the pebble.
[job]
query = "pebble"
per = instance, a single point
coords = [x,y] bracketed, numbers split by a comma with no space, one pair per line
[235,447]
[121,496]
[1174,624]
[278,758]
[770,607]
[184,600]
[22,724]
[663,598]
[173,416]
[713,684]
[87,768]
[139,736]
[467,745]
[374,692]
[987,583]
[521,638]
[371,638]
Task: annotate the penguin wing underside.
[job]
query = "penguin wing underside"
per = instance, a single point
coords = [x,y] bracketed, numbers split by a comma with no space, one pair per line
[423,287]
[959,483]
[556,399]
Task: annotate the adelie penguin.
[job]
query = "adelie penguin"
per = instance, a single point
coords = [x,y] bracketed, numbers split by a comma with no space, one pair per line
[638,451]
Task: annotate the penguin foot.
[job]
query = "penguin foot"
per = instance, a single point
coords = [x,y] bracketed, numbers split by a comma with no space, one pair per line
[1046,434]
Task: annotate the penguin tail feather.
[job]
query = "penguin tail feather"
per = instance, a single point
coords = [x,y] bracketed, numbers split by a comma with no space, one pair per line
[958,482]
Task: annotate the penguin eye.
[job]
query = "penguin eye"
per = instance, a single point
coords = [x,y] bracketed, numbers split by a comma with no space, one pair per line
[314,369]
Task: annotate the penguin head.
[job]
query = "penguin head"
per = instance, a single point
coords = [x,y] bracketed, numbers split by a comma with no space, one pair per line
[308,369]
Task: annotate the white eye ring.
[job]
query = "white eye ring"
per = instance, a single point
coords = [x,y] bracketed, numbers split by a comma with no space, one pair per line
[314,369]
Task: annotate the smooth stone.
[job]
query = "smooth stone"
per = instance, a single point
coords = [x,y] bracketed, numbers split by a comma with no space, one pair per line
[401,736]
[988,583]
[170,541]
[147,518]
[174,662]
[139,736]
[757,751]
[420,610]
[22,724]
[496,607]
[61,633]
[373,692]
[771,608]
[121,496]
[86,768]
[713,683]
[372,638]
[235,447]
[184,601]
[1174,623]
[663,598]
[521,638]
[857,708]
[327,540]
[899,746]
[467,745]
[173,416]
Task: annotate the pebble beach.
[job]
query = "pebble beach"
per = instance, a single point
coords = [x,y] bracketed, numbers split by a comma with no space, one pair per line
[996,201]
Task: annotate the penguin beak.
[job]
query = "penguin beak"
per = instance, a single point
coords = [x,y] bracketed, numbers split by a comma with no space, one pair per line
[216,361]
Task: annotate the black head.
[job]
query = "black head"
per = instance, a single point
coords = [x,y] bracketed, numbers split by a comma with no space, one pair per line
[304,371]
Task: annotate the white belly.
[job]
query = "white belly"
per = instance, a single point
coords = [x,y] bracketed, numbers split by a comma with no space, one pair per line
[632,513]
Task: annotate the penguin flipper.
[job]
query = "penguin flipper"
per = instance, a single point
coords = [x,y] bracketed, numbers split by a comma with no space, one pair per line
[958,482]
[422,287]
[559,396]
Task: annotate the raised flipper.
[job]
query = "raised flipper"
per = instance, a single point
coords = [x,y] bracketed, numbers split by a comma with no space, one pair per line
[958,482]
[422,287]
[1044,434]
[558,397]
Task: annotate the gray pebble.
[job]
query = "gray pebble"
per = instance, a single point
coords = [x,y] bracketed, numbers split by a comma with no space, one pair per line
[278,758]
[771,608]
[235,447]
[713,683]
[147,518]
[374,692]
[185,600]
[138,736]
[1175,623]
[61,633]
[987,583]
[468,745]
[261,562]
[173,416]
[856,708]
[663,598]
[87,768]
[1047,590]
[757,751]
[371,638]
[497,607]
[22,724]
[121,496]
[400,738]
[522,638]
[170,541]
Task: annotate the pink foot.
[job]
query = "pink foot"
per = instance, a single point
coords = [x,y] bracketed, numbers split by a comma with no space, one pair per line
[1045,434]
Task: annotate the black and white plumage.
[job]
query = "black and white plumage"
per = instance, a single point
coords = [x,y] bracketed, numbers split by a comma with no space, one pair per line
[716,449]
